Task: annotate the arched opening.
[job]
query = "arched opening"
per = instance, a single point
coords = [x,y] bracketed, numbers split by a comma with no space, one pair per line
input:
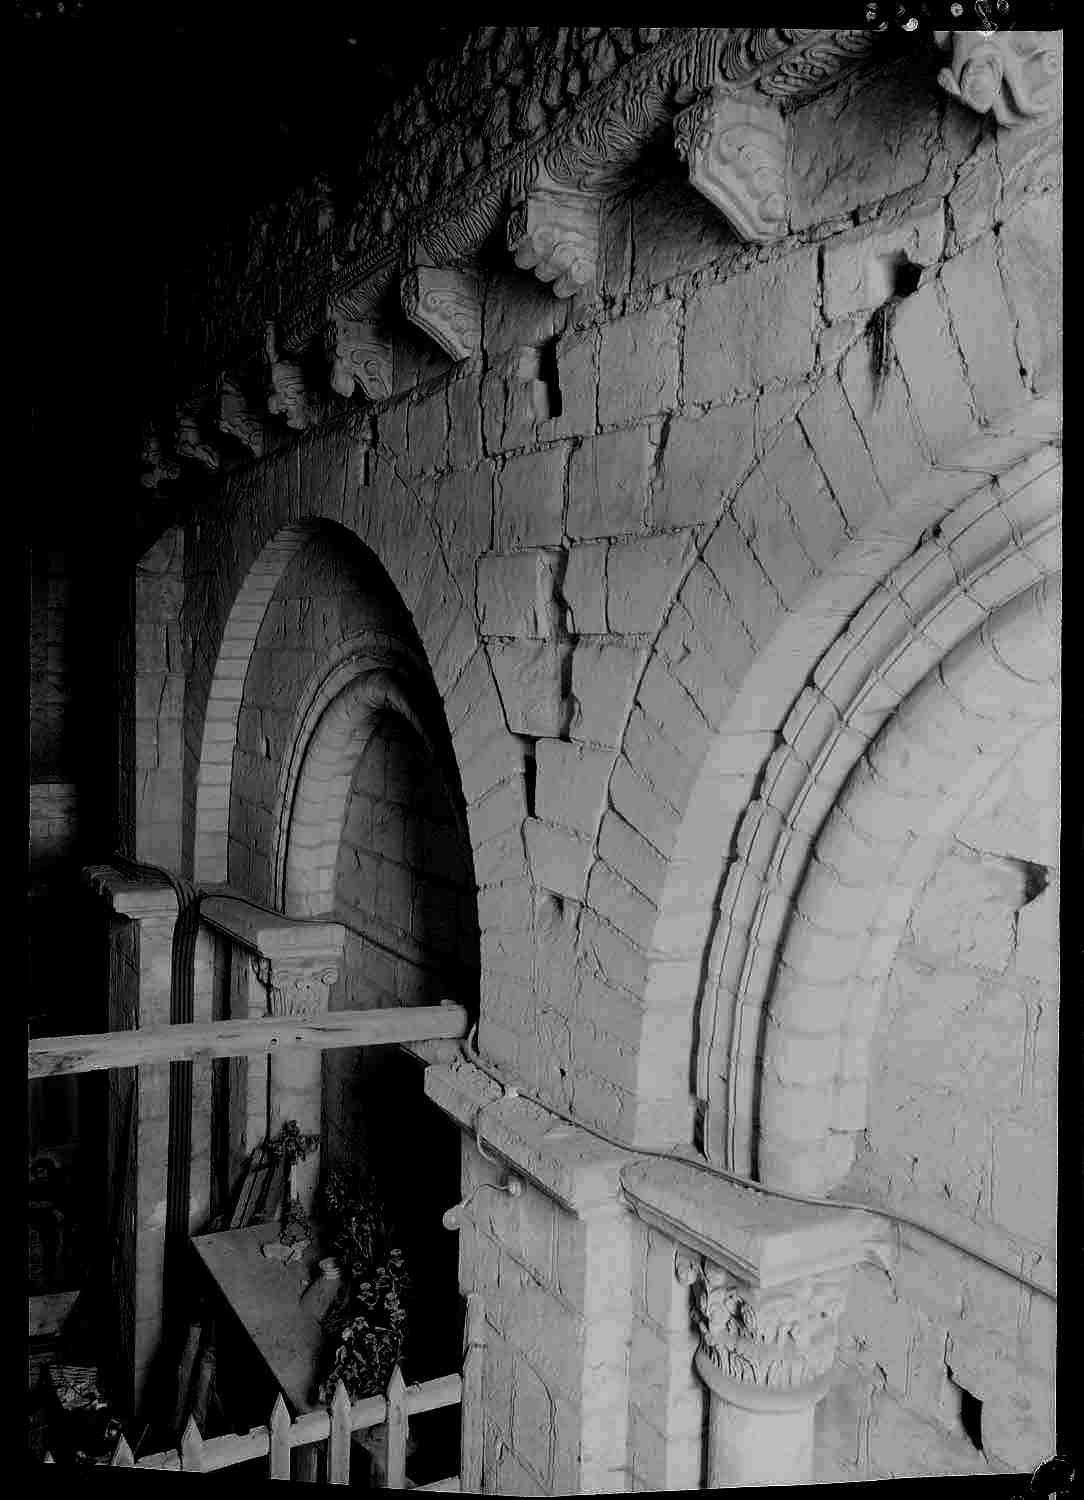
[344,801]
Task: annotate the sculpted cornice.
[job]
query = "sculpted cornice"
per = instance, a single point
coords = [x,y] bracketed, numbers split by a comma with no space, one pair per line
[319,299]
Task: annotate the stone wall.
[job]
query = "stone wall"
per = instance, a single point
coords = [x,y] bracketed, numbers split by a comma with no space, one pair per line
[631,532]
[949,1364]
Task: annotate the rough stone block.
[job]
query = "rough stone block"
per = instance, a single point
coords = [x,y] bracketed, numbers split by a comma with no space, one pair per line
[1030,249]
[607,483]
[530,499]
[860,271]
[584,588]
[641,575]
[603,678]
[620,903]
[828,423]
[577,381]
[464,422]
[983,327]
[627,852]
[702,460]
[753,596]
[528,677]
[427,433]
[640,805]
[558,858]
[638,365]
[753,328]
[570,783]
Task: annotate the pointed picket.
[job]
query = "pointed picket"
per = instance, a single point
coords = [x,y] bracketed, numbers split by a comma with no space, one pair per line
[397,1431]
[338,1448]
[191,1448]
[280,1440]
[122,1455]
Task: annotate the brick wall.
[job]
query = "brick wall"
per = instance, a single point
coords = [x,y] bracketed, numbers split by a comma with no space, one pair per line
[962,1135]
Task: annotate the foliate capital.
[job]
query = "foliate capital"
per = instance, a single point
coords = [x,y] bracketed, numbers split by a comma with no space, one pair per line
[295,989]
[1015,75]
[756,1342]
[736,150]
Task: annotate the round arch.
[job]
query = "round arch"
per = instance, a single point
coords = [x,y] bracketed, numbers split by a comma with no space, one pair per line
[806,1097]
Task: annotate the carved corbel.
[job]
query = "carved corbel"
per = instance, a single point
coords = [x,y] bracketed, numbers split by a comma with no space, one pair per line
[237,419]
[189,442]
[1015,75]
[736,150]
[288,396]
[158,469]
[446,304]
[555,233]
[360,355]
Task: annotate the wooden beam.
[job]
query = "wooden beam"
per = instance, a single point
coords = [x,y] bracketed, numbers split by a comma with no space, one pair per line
[191,1041]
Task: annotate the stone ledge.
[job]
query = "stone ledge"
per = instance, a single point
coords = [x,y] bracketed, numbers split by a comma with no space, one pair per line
[766,1241]
[136,895]
[563,1161]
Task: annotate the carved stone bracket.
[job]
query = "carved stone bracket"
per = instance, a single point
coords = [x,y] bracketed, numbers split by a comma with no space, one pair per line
[288,396]
[736,150]
[189,442]
[237,419]
[157,467]
[360,355]
[1015,75]
[555,233]
[446,304]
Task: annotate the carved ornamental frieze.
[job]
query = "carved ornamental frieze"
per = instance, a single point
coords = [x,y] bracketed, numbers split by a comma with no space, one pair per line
[752,1339]
[538,178]
[446,304]
[736,150]
[1013,75]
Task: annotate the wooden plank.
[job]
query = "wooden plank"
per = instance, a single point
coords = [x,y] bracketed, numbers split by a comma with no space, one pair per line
[470,1418]
[192,1041]
[449,1486]
[338,1448]
[280,1440]
[397,1426]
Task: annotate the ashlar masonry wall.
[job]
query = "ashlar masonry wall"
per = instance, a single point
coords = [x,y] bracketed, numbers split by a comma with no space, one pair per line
[949,1364]
[599,527]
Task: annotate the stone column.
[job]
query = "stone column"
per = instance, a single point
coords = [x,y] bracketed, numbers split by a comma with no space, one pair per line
[286,968]
[766,1358]
[143,915]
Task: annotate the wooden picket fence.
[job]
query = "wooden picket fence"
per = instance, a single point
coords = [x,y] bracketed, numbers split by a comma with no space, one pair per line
[332,1430]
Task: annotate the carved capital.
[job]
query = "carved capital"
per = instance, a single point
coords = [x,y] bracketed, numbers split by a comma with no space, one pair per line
[237,419]
[446,304]
[295,989]
[736,150]
[190,444]
[360,356]
[556,234]
[1015,75]
[757,1341]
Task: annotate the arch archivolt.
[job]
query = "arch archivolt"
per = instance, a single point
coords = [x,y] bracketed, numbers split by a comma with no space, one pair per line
[806,1095]
[978,558]
[344,707]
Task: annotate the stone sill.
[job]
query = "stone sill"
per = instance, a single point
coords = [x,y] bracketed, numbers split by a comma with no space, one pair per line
[766,1241]
[580,1171]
